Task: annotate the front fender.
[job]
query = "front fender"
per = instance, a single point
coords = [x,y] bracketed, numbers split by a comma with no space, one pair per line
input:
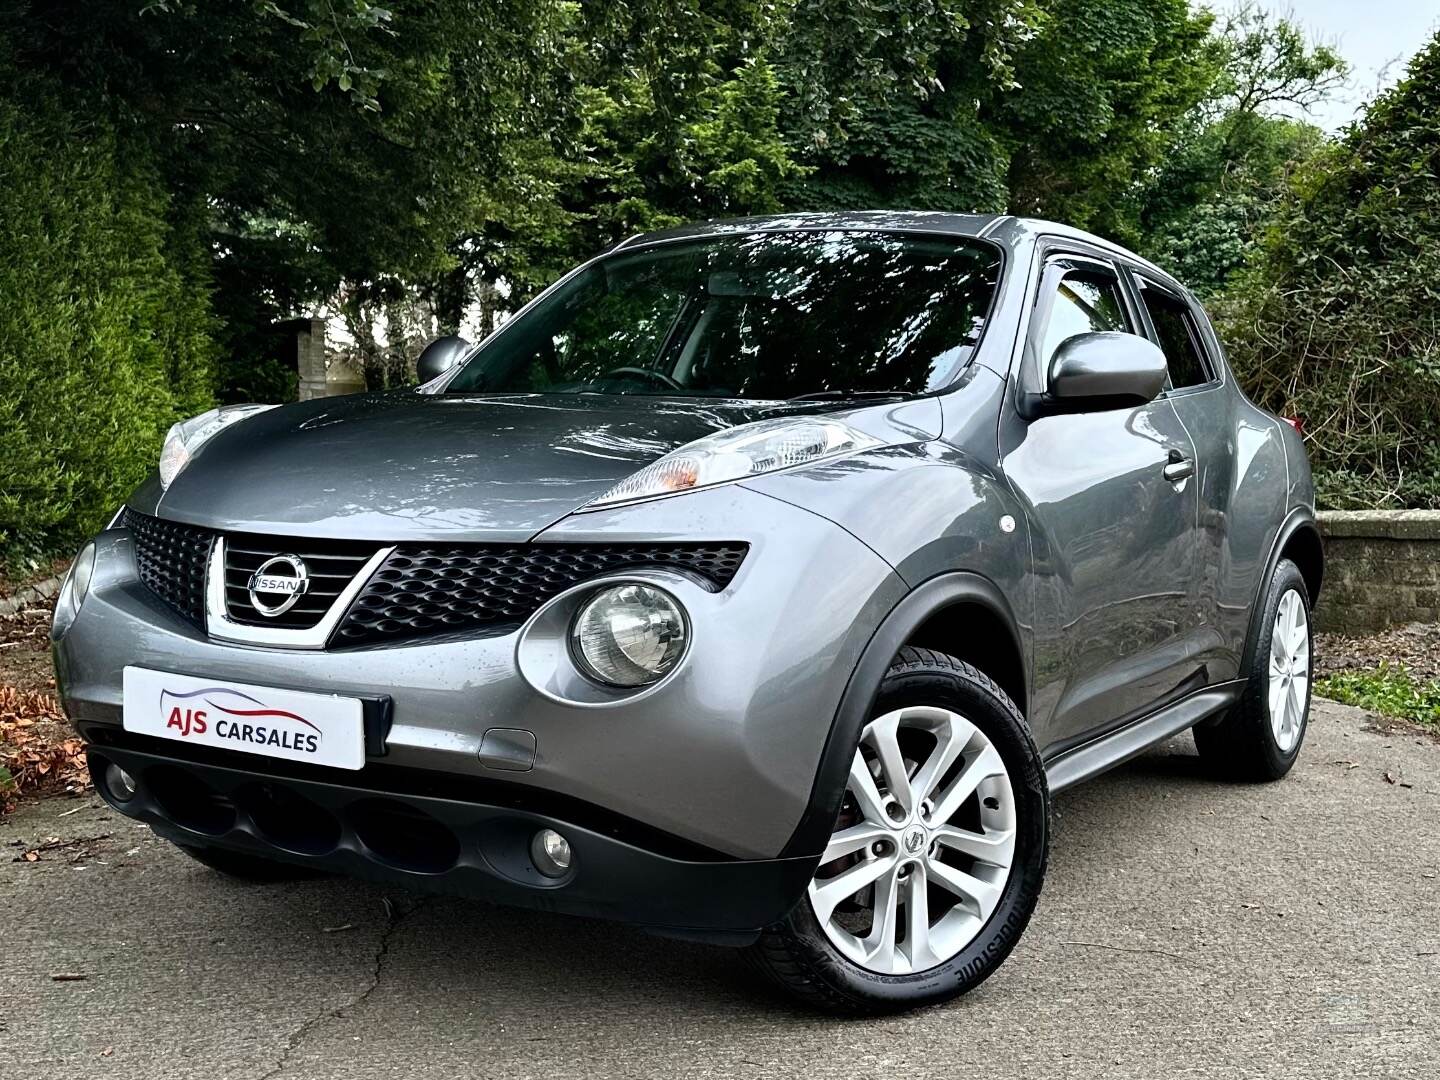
[858,700]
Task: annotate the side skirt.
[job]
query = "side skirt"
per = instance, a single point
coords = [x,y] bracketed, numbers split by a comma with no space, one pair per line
[1073,766]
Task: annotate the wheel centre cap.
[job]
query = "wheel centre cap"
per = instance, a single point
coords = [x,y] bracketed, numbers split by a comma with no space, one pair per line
[913,840]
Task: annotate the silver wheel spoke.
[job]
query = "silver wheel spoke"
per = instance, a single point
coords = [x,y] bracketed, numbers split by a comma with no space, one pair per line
[852,840]
[986,764]
[846,884]
[976,893]
[880,943]
[881,735]
[879,909]
[1278,645]
[917,920]
[989,847]
[951,740]
[1277,698]
[1300,662]
[867,795]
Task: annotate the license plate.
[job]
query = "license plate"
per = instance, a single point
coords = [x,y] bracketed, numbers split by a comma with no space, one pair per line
[323,729]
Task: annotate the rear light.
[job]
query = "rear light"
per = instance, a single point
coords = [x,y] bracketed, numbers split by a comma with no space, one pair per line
[1295,422]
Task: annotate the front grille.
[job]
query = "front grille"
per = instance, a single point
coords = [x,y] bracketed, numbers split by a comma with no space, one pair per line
[330,565]
[422,591]
[171,558]
[418,591]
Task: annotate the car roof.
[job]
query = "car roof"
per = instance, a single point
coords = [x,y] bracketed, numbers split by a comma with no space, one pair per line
[882,220]
[1006,229]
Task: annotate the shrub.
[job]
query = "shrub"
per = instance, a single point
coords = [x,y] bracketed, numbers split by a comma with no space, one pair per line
[1338,320]
[1387,690]
[105,328]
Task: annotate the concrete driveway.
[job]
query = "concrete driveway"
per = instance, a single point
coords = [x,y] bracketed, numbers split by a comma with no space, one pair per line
[1188,929]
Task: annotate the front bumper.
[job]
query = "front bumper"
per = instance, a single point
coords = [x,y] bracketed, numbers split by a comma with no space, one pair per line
[476,847]
[723,754]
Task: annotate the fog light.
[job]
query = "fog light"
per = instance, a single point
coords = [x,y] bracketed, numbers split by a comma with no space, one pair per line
[550,852]
[120,783]
[629,635]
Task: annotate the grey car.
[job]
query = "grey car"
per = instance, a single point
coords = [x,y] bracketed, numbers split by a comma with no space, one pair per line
[760,583]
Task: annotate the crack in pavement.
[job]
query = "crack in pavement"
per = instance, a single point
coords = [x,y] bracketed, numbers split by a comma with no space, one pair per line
[393,918]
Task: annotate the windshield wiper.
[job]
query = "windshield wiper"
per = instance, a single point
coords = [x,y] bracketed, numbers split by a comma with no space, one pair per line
[842,395]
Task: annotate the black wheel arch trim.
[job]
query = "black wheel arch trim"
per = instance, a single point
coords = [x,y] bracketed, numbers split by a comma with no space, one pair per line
[1300,518]
[894,631]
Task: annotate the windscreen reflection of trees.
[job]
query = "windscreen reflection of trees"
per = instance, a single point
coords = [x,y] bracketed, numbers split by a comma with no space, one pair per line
[764,316]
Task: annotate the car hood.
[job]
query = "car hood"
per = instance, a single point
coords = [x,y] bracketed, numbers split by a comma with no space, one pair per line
[404,465]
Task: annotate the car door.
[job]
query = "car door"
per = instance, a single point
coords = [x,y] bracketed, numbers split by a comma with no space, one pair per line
[1112,538]
[1196,391]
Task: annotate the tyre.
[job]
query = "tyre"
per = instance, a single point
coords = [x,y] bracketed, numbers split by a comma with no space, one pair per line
[1260,737]
[245,867]
[937,855]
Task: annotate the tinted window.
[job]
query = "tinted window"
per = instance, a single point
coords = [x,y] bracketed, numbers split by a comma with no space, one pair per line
[764,315]
[1085,301]
[1178,339]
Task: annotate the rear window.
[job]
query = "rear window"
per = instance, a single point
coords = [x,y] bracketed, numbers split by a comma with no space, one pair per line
[1179,338]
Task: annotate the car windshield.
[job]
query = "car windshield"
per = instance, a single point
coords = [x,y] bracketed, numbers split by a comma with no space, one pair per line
[763,315]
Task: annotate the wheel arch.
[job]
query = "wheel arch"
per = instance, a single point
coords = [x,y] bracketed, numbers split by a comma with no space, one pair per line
[1304,548]
[933,615]
[1297,539]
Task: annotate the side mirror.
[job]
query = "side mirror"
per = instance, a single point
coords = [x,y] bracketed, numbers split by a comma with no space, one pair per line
[440,356]
[1104,370]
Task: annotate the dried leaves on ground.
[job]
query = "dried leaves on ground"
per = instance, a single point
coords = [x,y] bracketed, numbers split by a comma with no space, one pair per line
[38,751]
[1415,647]
[38,748]
[25,649]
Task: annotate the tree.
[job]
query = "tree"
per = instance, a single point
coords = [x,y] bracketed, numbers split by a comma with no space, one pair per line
[1201,211]
[1269,64]
[884,100]
[1205,210]
[1104,86]
[353,147]
[104,329]
[1336,319]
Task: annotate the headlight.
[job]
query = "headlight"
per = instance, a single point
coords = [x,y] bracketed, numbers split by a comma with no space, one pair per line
[748,450]
[81,572]
[184,438]
[629,635]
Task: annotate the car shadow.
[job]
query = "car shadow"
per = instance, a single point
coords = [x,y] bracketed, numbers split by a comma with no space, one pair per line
[495,957]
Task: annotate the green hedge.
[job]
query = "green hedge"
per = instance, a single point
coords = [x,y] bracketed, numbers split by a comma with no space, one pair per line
[105,326]
[1338,319]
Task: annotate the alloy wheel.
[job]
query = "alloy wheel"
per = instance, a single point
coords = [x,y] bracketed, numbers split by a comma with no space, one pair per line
[1289,687]
[923,846]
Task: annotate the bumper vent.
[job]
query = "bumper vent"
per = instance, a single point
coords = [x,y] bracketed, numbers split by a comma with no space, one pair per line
[172,558]
[419,591]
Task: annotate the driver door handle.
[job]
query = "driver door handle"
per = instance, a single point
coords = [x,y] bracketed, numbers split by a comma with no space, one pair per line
[1179,467]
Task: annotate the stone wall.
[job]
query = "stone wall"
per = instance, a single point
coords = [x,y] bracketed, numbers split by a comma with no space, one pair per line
[1382,568]
[320,374]
[310,357]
